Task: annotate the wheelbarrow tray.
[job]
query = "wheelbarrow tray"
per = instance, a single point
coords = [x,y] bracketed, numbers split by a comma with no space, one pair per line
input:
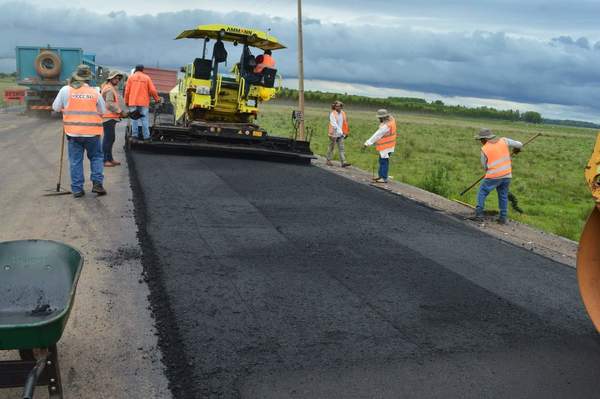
[38,280]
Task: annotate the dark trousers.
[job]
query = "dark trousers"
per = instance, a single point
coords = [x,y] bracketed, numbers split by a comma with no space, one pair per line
[384,165]
[109,139]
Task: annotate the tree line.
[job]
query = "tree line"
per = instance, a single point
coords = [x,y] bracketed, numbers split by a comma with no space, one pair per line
[414,105]
[8,75]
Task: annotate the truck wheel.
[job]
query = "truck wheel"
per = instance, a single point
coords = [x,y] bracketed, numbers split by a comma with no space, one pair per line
[47,64]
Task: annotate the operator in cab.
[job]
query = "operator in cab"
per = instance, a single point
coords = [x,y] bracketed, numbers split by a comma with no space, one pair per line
[263,61]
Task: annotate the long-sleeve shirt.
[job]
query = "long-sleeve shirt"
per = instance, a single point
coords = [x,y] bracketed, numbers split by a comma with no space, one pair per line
[382,131]
[336,120]
[62,101]
[113,104]
[511,144]
[138,90]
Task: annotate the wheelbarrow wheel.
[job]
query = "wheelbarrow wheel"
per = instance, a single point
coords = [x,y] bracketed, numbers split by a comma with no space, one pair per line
[26,355]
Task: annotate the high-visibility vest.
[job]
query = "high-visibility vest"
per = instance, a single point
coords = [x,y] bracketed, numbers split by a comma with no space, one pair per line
[109,114]
[345,128]
[389,140]
[81,117]
[267,62]
[498,159]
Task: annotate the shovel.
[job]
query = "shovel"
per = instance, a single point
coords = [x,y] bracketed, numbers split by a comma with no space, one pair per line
[58,190]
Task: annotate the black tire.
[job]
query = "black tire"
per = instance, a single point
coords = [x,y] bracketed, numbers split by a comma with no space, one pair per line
[48,64]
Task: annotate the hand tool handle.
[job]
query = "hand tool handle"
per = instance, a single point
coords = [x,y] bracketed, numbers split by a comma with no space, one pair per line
[482,177]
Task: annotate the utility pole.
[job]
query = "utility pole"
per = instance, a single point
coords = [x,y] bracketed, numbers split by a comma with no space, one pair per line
[301,131]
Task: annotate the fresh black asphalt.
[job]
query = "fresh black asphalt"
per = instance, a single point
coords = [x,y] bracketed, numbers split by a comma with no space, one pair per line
[274,280]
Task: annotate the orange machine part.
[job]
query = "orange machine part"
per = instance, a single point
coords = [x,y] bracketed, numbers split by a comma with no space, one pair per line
[588,266]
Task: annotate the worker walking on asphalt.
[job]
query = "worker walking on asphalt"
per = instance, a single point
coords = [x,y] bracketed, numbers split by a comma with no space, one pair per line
[138,90]
[496,160]
[337,132]
[82,108]
[114,113]
[385,142]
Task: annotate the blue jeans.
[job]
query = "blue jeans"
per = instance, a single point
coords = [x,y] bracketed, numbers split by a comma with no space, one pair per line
[143,120]
[384,165]
[108,139]
[93,147]
[487,186]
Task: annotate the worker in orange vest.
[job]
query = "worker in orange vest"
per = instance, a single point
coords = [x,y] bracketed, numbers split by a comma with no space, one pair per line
[265,60]
[114,112]
[337,131]
[496,160]
[82,107]
[385,142]
[138,90]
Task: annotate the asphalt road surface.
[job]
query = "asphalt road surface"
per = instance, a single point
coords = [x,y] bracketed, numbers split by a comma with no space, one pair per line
[272,280]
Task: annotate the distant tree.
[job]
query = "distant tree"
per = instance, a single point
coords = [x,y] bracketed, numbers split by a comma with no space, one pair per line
[531,117]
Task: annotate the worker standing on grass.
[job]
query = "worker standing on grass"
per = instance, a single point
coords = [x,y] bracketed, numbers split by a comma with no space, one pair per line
[496,160]
[114,113]
[82,108]
[385,142]
[138,90]
[338,131]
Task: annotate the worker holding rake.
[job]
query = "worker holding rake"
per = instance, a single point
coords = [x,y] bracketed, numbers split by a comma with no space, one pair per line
[497,162]
[385,142]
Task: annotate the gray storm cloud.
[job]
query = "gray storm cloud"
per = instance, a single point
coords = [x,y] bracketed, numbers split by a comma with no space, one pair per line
[563,70]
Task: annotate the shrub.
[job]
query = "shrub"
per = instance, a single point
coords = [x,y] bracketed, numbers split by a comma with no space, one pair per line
[436,180]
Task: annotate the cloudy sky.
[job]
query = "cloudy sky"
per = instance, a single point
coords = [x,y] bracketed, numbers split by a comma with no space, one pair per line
[531,54]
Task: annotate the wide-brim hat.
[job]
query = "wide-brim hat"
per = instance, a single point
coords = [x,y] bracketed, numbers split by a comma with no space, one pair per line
[337,102]
[114,74]
[485,133]
[382,113]
[83,73]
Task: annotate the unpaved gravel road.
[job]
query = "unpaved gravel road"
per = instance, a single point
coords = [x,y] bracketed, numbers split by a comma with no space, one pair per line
[273,280]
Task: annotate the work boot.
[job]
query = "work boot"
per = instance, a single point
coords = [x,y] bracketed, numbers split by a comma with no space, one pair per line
[478,217]
[502,221]
[98,189]
[79,194]
[345,164]
[329,163]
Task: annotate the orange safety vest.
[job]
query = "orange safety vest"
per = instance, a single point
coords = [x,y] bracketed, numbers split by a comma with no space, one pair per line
[109,114]
[389,140]
[267,62]
[498,159]
[345,128]
[81,117]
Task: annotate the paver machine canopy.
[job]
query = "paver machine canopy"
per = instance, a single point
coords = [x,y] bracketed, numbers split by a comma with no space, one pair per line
[217,97]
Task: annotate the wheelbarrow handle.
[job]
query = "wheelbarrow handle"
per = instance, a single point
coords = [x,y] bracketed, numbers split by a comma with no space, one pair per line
[34,376]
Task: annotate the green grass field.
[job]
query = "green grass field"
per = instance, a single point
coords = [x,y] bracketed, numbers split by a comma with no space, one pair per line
[440,155]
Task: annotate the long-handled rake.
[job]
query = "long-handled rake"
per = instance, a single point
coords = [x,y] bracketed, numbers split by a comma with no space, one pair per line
[58,190]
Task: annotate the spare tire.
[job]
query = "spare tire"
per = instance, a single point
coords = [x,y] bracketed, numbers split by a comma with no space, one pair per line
[47,64]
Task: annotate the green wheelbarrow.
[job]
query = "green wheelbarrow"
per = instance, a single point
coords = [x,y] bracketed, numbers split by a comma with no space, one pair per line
[37,285]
